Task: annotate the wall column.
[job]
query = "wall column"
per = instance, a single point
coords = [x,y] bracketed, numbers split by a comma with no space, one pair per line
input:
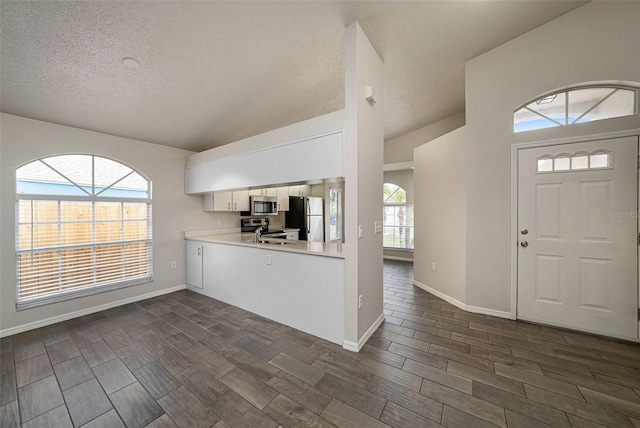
[364,148]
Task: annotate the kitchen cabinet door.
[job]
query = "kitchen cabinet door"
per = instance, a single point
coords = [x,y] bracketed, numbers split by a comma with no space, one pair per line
[305,190]
[222,201]
[300,191]
[194,264]
[283,198]
[294,190]
[272,191]
[240,200]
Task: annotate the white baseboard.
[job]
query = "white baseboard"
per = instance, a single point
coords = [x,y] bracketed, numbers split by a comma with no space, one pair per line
[356,347]
[48,321]
[402,259]
[463,306]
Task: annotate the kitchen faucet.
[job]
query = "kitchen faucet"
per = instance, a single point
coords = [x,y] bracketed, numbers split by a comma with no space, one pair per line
[258,232]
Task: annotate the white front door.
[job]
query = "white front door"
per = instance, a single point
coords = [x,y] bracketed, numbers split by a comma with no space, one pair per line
[577,236]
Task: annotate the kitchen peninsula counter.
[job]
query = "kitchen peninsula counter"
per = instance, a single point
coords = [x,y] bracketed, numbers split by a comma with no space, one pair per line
[324,249]
[299,284]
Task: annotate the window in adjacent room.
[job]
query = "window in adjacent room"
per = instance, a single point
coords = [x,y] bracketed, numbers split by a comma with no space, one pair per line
[398,218]
[83,225]
[579,105]
[335,215]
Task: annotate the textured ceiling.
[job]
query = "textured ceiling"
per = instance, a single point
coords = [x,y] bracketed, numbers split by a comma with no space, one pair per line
[215,72]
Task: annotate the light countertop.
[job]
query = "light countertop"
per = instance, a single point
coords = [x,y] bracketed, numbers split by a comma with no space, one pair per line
[324,249]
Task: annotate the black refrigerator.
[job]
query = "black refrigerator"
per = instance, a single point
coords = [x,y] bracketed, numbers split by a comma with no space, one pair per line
[306,214]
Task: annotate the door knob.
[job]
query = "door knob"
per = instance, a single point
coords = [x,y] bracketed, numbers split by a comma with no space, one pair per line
[524,244]
[524,231]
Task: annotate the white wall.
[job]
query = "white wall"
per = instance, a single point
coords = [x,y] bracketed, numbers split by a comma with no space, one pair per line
[364,141]
[440,200]
[22,140]
[298,131]
[597,42]
[400,149]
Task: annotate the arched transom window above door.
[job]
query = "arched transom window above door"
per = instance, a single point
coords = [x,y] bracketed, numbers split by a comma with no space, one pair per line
[577,105]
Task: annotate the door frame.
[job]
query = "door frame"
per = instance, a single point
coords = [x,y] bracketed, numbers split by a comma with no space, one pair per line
[513,232]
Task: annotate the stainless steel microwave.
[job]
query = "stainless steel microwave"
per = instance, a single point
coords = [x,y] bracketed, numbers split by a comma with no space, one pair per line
[264,205]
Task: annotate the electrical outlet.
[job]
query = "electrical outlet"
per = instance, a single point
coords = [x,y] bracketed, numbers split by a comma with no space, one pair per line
[433,266]
[360,301]
[174,265]
[218,222]
[268,259]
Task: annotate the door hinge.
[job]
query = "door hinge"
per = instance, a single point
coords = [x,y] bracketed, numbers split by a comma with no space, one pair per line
[638,162]
[638,238]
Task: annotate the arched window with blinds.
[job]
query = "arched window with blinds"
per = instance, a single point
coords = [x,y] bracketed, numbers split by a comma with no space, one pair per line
[83,225]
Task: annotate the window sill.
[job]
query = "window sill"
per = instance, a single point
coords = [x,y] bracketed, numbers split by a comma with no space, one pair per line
[405,250]
[35,302]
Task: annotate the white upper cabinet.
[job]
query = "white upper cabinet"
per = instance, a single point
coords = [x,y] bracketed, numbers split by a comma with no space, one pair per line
[241,200]
[300,191]
[283,198]
[218,201]
[315,158]
[272,191]
[226,201]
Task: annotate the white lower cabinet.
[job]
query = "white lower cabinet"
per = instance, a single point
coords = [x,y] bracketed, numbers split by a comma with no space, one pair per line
[194,264]
[302,291]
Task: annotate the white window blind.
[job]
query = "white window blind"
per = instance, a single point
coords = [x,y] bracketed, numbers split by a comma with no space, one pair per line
[83,225]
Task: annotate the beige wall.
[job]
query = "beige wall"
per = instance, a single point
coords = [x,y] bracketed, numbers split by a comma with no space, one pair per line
[597,42]
[441,226]
[400,149]
[364,141]
[22,140]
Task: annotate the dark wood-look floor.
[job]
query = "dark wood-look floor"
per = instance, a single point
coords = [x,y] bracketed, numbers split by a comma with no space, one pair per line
[187,360]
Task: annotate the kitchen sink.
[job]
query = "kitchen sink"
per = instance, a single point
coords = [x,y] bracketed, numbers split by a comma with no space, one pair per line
[275,241]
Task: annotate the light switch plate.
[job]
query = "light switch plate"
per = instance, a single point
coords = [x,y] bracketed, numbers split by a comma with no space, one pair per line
[359,231]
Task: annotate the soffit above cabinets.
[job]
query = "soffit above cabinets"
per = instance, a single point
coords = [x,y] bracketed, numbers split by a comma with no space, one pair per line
[197,75]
